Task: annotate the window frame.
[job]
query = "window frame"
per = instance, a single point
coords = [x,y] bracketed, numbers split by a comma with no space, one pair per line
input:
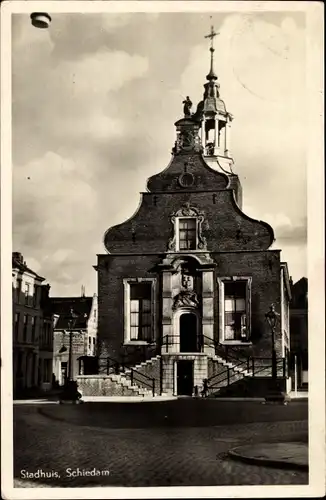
[25,328]
[221,302]
[35,296]
[19,283]
[127,310]
[177,231]
[26,294]
[33,329]
[16,326]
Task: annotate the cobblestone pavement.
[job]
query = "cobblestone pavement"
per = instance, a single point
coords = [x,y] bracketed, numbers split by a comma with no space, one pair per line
[151,456]
[185,412]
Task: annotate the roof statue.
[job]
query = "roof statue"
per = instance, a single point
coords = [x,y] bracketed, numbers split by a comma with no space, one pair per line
[187,107]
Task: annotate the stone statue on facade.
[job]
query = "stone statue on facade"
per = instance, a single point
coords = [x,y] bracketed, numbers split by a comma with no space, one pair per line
[187,105]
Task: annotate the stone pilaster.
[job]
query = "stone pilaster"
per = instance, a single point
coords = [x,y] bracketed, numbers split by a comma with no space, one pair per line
[167,302]
[208,310]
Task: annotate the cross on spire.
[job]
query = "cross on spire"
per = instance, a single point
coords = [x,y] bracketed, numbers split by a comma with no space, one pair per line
[212,35]
[211,75]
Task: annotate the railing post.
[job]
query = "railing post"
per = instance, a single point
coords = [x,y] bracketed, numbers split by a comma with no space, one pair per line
[248,362]
[153,380]
[228,376]
[284,368]
[253,367]
[107,366]
[161,375]
[132,376]
[167,343]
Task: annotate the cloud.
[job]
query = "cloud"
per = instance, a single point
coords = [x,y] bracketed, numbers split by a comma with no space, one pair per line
[94,102]
[261,70]
[52,203]
[59,101]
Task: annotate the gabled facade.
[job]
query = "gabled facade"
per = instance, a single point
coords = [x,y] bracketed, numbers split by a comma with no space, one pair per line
[32,329]
[84,334]
[190,272]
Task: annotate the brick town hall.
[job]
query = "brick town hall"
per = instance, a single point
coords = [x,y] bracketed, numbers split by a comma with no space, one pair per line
[186,282]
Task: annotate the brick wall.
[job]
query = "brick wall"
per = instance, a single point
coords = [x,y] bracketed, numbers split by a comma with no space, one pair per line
[79,342]
[220,374]
[151,370]
[101,386]
[225,227]
[263,267]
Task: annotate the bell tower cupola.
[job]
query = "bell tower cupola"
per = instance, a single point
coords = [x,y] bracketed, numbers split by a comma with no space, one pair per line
[214,119]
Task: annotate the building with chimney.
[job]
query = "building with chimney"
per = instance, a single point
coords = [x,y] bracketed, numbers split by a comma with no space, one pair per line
[75,328]
[32,329]
[186,282]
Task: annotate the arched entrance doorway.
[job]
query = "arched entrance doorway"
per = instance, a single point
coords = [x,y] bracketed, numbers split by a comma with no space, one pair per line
[188,332]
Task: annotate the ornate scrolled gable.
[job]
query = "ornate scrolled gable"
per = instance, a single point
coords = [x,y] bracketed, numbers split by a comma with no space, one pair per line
[188,211]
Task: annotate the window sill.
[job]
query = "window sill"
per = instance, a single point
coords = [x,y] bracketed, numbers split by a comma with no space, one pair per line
[235,342]
[138,342]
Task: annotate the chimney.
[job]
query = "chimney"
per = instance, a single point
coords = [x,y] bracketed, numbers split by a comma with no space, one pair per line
[18,257]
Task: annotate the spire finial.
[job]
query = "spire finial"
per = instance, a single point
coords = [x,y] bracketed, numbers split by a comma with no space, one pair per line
[211,75]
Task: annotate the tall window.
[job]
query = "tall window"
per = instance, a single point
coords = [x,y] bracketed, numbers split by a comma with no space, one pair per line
[35,295]
[140,311]
[26,293]
[89,345]
[187,233]
[17,317]
[235,310]
[33,319]
[18,290]
[94,345]
[25,328]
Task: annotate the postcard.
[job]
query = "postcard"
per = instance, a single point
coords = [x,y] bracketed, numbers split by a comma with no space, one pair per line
[162,249]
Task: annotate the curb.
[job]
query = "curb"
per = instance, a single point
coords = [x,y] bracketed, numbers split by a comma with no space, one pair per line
[267,462]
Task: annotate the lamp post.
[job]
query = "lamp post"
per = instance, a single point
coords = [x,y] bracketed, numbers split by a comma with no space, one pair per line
[70,392]
[272,317]
[72,318]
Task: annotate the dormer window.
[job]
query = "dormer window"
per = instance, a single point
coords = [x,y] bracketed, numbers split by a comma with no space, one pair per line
[187,233]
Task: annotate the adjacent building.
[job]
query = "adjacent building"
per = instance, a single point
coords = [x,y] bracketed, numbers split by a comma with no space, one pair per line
[188,279]
[32,329]
[75,317]
[299,333]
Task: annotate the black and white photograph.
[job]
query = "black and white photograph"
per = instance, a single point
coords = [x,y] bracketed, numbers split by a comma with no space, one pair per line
[161,250]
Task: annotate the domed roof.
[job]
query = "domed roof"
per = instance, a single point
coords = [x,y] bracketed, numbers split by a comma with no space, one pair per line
[214,104]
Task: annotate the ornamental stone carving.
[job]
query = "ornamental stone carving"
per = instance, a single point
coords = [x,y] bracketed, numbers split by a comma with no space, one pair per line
[187,282]
[186,298]
[188,211]
[187,140]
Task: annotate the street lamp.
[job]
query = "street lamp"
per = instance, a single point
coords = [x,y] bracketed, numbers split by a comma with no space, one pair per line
[40,20]
[272,317]
[72,318]
[70,392]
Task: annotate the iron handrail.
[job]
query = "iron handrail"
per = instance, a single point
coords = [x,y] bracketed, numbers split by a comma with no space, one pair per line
[120,367]
[132,378]
[164,341]
[243,374]
[228,351]
[227,369]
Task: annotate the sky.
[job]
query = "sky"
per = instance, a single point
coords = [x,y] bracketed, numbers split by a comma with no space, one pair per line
[95,98]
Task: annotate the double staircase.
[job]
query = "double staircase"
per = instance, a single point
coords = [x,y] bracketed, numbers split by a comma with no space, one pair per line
[229,372]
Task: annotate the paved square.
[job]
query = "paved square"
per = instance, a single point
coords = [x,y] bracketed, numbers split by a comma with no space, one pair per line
[177,443]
